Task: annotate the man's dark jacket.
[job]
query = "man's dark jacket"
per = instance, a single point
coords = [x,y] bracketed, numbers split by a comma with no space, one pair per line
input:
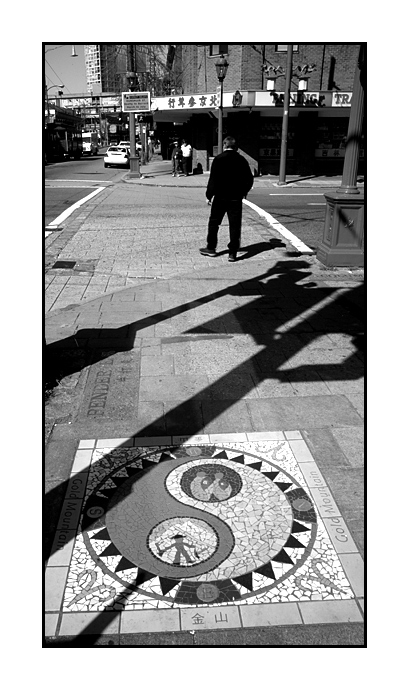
[230,176]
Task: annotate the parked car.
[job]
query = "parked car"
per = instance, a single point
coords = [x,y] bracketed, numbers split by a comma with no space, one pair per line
[117,156]
[128,145]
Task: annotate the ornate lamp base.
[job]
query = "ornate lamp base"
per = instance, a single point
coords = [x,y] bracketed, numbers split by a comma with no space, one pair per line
[342,242]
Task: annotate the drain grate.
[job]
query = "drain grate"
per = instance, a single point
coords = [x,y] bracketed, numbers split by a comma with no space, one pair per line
[64,265]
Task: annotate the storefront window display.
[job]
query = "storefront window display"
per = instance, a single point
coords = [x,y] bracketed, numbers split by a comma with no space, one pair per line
[270,138]
[331,135]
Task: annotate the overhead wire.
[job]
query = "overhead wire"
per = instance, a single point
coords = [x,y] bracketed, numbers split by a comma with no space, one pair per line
[58,77]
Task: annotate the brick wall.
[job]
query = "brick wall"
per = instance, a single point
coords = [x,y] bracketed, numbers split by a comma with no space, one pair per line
[342,56]
[245,66]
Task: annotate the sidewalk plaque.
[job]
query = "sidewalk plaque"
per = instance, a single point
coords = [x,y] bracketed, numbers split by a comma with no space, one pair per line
[136,101]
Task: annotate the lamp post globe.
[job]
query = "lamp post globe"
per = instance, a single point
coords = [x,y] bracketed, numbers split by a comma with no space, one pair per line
[221,66]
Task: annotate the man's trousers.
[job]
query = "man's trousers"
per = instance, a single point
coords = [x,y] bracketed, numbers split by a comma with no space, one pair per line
[220,207]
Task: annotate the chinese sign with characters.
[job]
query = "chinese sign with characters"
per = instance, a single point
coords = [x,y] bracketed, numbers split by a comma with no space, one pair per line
[186,101]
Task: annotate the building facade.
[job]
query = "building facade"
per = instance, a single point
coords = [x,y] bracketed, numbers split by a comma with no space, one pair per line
[253,92]
[105,67]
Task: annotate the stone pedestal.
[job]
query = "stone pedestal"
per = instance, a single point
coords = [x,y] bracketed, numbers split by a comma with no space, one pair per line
[343,242]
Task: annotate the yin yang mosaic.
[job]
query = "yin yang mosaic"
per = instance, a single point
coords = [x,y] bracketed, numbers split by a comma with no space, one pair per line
[197,526]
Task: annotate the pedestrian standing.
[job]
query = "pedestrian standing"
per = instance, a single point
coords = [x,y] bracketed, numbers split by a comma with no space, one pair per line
[186,157]
[176,159]
[229,182]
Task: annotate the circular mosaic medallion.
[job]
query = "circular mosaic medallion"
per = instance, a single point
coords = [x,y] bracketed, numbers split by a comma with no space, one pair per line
[183,541]
[213,525]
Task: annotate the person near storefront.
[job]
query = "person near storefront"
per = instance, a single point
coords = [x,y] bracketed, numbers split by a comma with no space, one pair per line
[176,159]
[186,157]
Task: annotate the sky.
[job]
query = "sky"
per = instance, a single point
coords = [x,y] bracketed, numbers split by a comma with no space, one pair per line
[61,68]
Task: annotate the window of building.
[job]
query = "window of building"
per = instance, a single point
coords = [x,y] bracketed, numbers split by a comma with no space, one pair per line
[283,47]
[218,49]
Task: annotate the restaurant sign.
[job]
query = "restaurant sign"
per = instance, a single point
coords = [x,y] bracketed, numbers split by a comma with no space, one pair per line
[304,99]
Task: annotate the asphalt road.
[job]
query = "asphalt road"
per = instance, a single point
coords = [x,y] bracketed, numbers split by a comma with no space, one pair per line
[300,210]
[69,181]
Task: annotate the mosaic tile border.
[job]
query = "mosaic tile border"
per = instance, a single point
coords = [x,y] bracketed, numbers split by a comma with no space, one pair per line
[191,618]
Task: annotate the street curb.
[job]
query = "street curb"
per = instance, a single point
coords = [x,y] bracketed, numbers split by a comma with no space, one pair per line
[264,184]
[142,181]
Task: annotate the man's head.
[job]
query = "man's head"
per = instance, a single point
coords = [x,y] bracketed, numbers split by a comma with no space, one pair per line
[229,143]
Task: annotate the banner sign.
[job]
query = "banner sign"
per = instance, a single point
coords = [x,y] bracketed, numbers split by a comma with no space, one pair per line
[186,102]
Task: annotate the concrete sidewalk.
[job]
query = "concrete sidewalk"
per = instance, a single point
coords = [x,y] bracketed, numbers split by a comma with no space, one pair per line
[196,346]
[159,173]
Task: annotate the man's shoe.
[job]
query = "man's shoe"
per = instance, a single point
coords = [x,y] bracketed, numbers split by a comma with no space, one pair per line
[232,258]
[207,253]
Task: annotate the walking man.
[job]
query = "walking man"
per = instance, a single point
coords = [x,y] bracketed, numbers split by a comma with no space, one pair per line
[230,180]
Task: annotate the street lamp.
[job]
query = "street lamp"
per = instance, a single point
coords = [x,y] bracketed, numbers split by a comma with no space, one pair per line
[221,66]
[57,86]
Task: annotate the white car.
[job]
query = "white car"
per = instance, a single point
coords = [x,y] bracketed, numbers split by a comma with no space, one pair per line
[128,145]
[117,156]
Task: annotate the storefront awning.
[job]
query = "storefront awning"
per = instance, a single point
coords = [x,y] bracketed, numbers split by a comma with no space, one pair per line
[180,107]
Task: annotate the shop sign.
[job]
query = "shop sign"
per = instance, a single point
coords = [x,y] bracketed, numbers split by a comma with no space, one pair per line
[274,153]
[334,153]
[186,102]
[308,99]
[342,99]
[76,102]
[305,99]
[110,101]
[329,153]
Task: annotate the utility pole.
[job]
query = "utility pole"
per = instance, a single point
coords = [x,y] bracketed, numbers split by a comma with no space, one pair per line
[134,160]
[285,121]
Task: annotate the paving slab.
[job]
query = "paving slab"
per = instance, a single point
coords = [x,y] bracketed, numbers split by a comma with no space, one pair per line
[304,412]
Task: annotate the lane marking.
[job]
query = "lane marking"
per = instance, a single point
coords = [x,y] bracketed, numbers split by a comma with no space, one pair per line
[316,203]
[97,182]
[296,194]
[69,187]
[72,208]
[298,244]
